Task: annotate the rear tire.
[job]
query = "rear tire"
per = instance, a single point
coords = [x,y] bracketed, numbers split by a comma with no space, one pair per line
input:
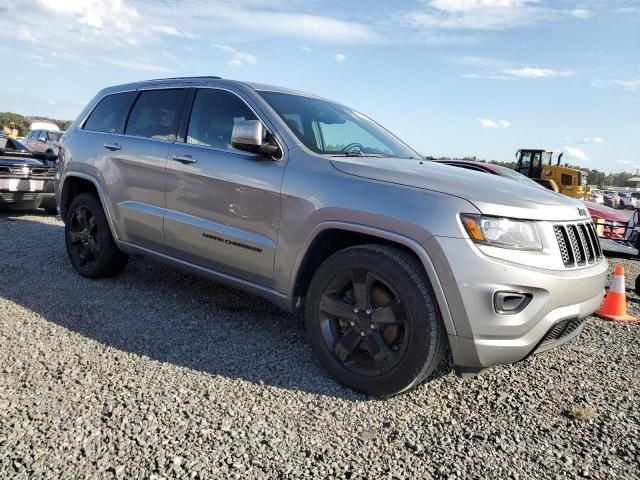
[372,320]
[91,248]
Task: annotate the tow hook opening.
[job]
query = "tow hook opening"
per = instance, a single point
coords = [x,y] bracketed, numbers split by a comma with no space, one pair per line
[510,303]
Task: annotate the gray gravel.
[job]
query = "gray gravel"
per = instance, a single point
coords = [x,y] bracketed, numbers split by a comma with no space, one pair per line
[158,374]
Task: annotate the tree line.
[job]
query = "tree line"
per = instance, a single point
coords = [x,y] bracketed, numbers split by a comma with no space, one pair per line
[22,122]
[594,176]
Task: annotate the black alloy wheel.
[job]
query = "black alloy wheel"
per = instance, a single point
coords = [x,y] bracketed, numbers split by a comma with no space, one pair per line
[372,320]
[84,235]
[364,322]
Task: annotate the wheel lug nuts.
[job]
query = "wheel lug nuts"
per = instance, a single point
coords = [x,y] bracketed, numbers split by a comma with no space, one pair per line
[353,324]
[355,310]
[373,326]
[362,334]
[368,312]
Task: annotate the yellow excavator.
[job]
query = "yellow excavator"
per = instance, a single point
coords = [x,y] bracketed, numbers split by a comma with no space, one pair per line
[538,166]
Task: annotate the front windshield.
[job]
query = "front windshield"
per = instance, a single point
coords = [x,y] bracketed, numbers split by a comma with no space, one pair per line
[54,136]
[546,158]
[331,129]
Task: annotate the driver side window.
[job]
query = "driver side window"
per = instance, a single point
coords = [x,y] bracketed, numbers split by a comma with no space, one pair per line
[213,116]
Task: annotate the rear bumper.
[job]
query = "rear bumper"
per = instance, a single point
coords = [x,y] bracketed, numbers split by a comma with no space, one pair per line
[483,337]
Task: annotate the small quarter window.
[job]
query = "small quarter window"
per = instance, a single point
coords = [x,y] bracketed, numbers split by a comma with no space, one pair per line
[156,114]
[110,113]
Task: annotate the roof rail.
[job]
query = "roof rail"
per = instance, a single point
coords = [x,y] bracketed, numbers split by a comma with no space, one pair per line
[212,77]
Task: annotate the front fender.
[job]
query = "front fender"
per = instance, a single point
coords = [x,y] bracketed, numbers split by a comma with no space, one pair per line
[410,243]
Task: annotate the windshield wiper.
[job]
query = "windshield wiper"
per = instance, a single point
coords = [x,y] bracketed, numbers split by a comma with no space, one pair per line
[360,154]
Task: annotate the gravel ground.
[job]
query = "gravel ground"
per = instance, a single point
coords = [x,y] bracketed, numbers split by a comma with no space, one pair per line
[158,374]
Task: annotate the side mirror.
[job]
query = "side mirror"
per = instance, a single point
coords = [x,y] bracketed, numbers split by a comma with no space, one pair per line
[252,136]
[42,139]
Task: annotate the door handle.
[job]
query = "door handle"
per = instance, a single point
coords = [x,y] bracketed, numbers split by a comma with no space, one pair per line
[112,146]
[184,159]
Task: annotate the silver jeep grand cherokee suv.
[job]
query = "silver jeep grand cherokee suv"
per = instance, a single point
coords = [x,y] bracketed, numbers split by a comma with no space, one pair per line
[316,207]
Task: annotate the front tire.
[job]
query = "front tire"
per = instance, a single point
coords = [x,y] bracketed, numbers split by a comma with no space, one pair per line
[91,248]
[372,320]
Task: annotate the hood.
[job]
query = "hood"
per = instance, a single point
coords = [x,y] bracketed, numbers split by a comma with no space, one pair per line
[606,213]
[17,160]
[491,194]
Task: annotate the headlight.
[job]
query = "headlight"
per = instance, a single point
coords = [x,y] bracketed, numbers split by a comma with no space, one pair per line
[502,232]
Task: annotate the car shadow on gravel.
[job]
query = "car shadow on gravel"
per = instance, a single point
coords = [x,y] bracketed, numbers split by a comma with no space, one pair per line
[164,314]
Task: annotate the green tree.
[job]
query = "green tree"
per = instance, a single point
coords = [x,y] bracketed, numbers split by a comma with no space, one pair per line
[23,123]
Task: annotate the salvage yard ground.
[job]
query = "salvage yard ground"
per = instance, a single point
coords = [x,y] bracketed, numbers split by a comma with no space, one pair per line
[157,374]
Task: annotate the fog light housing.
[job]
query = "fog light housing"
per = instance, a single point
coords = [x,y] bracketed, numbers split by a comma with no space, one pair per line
[510,303]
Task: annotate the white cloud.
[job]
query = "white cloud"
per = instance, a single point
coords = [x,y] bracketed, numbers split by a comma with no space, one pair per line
[95,14]
[576,154]
[625,162]
[340,57]
[530,72]
[478,61]
[631,84]
[304,48]
[301,25]
[500,124]
[486,76]
[469,5]
[139,65]
[591,140]
[481,14]
[581,13]
[626,10]
[518,72]
[238,58]
[171,31]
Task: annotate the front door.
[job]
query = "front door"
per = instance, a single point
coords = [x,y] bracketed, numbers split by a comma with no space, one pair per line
[223,205]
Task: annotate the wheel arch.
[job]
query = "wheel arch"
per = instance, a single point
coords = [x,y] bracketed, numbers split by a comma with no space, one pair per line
[76,183]
[331,237]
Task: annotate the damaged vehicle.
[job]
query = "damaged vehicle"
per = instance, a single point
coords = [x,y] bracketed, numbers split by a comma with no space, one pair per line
[26,179]
[390,259]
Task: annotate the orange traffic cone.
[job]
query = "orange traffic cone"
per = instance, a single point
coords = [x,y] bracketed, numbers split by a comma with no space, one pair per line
[615,301]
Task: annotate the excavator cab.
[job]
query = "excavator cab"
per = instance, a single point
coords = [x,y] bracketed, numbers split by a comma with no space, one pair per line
[530,163]
[538,165]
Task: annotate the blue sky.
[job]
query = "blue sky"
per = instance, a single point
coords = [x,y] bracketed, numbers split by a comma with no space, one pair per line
[450,77]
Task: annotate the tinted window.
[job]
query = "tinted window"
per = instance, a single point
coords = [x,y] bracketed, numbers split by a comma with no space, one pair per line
[54,136]
[110,114]
[566,179]
[213,116]
[156,114]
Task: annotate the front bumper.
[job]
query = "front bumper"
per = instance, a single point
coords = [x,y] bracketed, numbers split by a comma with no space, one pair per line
[27,193]
[483,337]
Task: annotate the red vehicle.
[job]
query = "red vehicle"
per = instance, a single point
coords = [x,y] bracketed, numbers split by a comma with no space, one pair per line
[606,219]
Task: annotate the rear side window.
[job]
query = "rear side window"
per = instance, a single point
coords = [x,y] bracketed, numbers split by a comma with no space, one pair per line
[566,180]
[156,114]
[110,114]
[213,116]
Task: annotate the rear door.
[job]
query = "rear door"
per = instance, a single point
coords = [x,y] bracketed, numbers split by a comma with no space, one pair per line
[223,205]
[137,162]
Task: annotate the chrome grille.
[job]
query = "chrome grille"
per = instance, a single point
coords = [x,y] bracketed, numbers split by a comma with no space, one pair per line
[42,172]
[578,243]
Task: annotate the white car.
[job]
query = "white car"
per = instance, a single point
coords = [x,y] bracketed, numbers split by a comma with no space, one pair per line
[627,200]
[596,197]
